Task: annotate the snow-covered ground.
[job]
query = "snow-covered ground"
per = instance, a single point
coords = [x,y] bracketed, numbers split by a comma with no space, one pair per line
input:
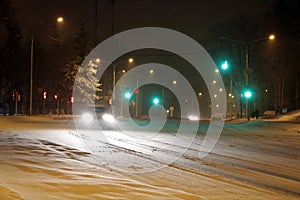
[293,116]
[44,158]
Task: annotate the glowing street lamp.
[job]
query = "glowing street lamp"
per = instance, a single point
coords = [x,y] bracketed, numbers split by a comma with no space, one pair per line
[60,19]
[130,60]
[271,37]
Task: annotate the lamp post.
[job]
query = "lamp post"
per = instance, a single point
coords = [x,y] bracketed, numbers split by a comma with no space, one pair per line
[246,46]
[31,75]
[225,68]
[58,20]
[130,60]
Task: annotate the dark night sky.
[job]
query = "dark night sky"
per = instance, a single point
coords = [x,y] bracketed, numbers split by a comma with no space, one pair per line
[192,17]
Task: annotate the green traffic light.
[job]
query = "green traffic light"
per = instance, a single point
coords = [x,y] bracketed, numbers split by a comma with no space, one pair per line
[127,95]
[248,94]
[225,65]
[156,101]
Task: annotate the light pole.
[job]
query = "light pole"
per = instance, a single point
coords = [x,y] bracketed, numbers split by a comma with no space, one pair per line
[31,75]
[246,46]
[58,20]
[130,60]
[225,67]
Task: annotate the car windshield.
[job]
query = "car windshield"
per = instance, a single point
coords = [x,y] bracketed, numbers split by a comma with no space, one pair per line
[98,109]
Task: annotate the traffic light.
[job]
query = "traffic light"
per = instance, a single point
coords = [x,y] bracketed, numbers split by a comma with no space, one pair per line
[155,100]
[225,65]
[44,95]
[247,93]
[127,94]
[72,99]
[55,96]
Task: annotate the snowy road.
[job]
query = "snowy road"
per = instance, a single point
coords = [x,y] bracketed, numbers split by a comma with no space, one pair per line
[42,158]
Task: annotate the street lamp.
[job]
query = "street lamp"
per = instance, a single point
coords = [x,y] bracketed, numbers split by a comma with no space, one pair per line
[226,67]
[271,37]
[246,46]
[58,20]
[130,60]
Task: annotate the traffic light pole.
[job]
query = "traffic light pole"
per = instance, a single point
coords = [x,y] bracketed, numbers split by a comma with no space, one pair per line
[137,99]
[230,104]
[247,79]
[246,47]
[16,102]
[57,105]
[44,107]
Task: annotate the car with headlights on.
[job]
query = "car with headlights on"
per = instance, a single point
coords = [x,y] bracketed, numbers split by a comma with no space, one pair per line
[97,116]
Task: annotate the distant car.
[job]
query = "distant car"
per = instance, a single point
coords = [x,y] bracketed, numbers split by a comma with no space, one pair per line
[97,115]
[218,116]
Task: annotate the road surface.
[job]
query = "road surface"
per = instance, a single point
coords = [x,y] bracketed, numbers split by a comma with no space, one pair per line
[45,158]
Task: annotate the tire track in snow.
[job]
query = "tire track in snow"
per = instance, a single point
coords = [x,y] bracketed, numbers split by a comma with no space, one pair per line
[238,169]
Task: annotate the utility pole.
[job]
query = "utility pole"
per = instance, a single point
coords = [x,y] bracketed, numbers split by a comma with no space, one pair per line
[96,21]
[112,16]
[247,79]
[31,75]
[16,101]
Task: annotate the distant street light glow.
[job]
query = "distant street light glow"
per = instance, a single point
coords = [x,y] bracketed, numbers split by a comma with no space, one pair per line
[272,37]
[60,19]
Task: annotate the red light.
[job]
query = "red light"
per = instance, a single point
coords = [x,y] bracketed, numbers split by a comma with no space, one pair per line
[55,96]
[72,99]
